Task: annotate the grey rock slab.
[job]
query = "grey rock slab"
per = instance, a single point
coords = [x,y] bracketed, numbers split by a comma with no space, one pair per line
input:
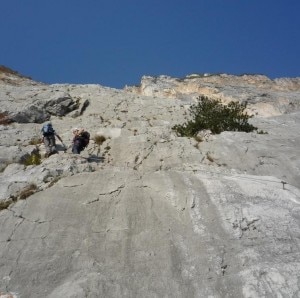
[148,213]
[120,235]
[25,104]
[116,233]
[275,153]
[16,177]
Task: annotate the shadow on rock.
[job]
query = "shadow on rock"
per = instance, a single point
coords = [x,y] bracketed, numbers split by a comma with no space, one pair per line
[95,158]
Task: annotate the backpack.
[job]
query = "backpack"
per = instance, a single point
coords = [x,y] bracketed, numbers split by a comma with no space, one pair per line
[81,140]
[47,130]
[86,138]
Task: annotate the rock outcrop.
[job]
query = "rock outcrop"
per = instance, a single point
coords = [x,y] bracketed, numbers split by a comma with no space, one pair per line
[264,97]
[147,213]
[24,101]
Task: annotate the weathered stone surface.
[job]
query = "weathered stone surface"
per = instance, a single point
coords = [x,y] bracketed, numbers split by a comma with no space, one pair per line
[17,177]
[27,106]
[275,153]
[147,213]
[265,97]
[27,103]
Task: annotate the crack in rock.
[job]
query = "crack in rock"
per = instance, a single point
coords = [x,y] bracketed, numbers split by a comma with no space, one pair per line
[118,191]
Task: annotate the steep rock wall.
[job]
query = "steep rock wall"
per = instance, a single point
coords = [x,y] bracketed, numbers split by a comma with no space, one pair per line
[147,213]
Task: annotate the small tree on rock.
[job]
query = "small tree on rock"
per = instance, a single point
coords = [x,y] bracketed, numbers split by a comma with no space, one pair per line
[213,115]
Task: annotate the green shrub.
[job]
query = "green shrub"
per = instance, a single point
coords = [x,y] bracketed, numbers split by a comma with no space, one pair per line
[262,132]
[33,159]
[213,115]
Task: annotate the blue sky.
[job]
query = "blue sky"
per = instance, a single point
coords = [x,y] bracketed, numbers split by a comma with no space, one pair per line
[115,42]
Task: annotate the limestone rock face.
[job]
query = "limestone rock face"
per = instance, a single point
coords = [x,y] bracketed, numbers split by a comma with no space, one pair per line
[143,212]
[264,97]
[27,103]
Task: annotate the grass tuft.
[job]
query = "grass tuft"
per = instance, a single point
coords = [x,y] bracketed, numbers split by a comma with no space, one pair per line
[33,159]
[99,139]
[5,120]
[27,191]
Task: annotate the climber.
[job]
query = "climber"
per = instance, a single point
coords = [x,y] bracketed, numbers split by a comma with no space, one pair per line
[81,139]
[48,138]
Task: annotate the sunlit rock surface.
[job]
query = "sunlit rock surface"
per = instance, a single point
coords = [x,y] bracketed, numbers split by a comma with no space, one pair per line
[147,213]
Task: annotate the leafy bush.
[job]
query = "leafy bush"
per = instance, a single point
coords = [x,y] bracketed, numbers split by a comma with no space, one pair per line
[213,115]
[33,159]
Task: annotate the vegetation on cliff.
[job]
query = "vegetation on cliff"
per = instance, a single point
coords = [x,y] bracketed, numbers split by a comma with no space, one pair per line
[213,115]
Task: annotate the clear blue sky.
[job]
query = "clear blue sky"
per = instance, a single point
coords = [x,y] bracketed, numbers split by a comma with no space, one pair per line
[116,42]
